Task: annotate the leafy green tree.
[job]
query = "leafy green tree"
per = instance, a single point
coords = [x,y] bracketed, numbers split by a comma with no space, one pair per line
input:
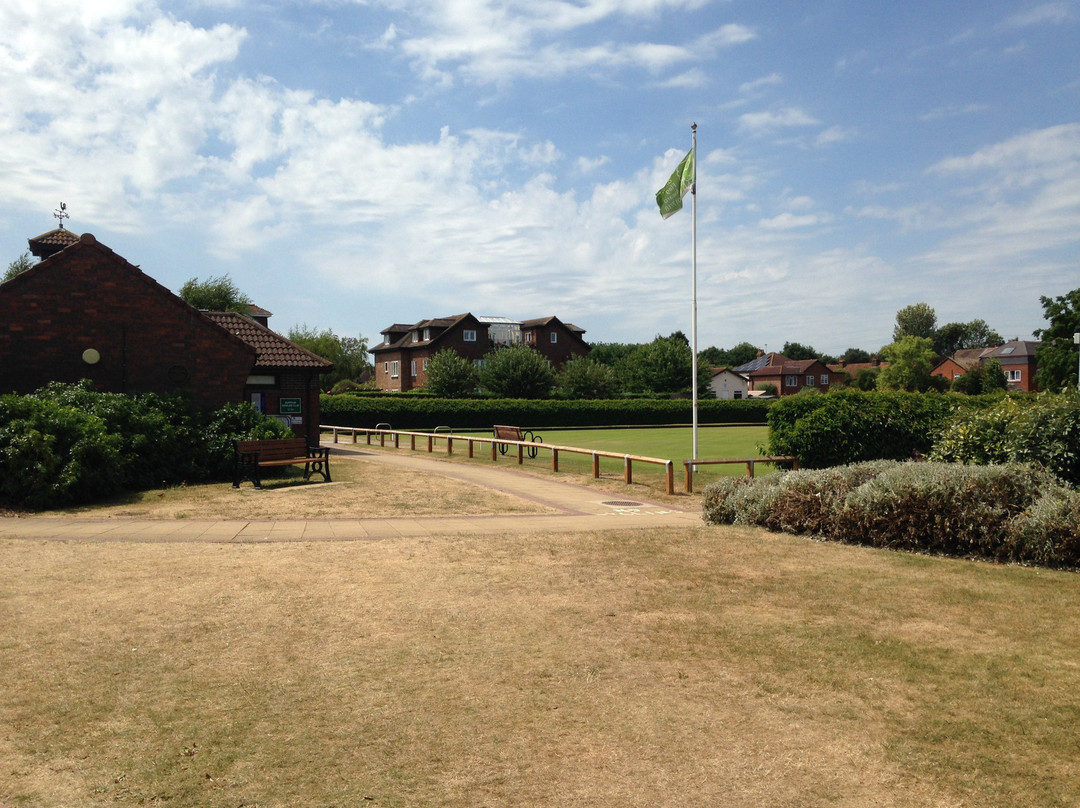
[768,389]
[662,366]
[856,356]
[993,379]
[215,294]
[1056,354]
[867,378]
[796,351]
[18,266]
[451,375]
[916,320]
[910,361]
[582,377]
[611,353]
[349,354]
[953,337]
[517,371]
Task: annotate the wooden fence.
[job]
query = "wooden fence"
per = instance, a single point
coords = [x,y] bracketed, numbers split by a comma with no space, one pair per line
[471,441]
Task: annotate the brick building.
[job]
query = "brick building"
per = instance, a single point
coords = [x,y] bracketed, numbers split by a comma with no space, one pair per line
[84,312]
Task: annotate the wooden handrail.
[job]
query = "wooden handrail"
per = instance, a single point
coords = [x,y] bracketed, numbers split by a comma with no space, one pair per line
[689,465]
[430,437]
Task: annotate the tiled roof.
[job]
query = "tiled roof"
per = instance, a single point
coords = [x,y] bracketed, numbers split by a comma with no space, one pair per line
[274,351]
[52,242]
[762,361]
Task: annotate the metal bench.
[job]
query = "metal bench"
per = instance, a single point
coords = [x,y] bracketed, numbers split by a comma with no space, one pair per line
[251,455]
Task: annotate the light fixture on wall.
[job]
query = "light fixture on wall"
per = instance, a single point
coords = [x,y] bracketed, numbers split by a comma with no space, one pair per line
[91,356]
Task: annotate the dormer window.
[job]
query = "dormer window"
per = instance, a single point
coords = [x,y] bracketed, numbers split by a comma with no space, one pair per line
[469,335]
[415,336]
[427,335]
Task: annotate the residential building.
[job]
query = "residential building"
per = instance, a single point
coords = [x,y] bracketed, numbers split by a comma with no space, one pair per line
[1017,358]
[401,359]
[728,384]
[788,376]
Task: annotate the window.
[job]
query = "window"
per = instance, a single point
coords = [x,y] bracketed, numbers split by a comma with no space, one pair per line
[415,336]
[738,394]
[1012,376]
[426,364]
[427,334]
[469,335]
[791,381]
[529,337]
[824,379]
[554,337]
[395,369]
[810,381]
[412,368]
[385,367]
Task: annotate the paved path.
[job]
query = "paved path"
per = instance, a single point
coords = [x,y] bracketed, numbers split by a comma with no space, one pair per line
[575,508]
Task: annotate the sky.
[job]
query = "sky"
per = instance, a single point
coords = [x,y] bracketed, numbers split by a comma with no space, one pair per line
[350,164]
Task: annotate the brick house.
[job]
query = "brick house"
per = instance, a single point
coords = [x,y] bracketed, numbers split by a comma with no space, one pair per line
[1017,358]
[788,376]
[401,359]
[558,341]
[84,312]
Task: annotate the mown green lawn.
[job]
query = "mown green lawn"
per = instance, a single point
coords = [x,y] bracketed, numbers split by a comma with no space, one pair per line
[668,443]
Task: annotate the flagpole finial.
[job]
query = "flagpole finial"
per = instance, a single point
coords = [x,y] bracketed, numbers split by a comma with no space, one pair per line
[693,127]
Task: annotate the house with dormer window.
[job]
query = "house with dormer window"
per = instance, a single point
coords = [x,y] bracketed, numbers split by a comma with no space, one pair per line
[401,359]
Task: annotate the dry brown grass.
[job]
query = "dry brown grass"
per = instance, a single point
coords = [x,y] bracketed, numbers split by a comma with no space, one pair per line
[717,666]
[359,489]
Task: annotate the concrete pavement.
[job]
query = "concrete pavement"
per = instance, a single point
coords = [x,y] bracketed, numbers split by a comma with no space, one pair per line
[573,508]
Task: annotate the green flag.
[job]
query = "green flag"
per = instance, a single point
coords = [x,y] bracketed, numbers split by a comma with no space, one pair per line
[670,197]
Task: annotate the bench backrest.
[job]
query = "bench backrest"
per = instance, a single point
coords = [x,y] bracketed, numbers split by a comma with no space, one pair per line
[276,449]
[507,432]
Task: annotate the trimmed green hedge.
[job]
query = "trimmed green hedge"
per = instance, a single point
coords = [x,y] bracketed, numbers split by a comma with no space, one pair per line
[851,426]
[1011,513]
[415,413]
[68,443]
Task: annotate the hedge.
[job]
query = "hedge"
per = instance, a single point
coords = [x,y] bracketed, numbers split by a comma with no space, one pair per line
[852,426]
[69,444]
[1011,513]
[415,413]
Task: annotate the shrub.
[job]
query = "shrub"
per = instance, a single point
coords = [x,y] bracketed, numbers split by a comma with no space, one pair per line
[1016,512]
[1042,429]
[850,426]
[69,444]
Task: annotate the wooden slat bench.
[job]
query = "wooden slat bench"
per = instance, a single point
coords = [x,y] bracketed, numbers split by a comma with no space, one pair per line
[251,455]
[516,433]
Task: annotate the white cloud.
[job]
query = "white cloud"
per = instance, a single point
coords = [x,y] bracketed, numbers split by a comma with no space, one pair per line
[1044,14]
[834,134]
[770,80]
[764,122]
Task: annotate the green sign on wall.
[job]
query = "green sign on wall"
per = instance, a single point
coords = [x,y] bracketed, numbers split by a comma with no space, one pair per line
[290,406]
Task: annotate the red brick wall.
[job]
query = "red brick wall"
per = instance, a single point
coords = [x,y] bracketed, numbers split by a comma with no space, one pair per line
[87,297]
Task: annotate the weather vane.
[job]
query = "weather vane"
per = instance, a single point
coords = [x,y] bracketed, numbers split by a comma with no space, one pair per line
[62,214]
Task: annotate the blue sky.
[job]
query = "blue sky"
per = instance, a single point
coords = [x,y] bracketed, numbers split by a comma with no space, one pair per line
[355,164]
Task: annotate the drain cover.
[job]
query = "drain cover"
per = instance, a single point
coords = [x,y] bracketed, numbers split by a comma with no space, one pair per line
[618,503]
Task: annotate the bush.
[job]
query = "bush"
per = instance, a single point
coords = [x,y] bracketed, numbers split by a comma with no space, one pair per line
[851,426]
[69,444]
[1016,512]
[1042,429]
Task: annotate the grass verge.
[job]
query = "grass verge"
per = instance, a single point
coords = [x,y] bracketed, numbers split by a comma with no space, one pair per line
[716,666]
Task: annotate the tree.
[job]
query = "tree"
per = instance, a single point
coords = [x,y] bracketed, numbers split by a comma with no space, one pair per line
[916,320]
[662,366]
[993,380]
[1056,354]
[215,294]
[581,377]
[795,351]
[856,356]
[349,354]
[953,337]
[451,375]
[18,266]
[910,361]
[867,378]
[517,371]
